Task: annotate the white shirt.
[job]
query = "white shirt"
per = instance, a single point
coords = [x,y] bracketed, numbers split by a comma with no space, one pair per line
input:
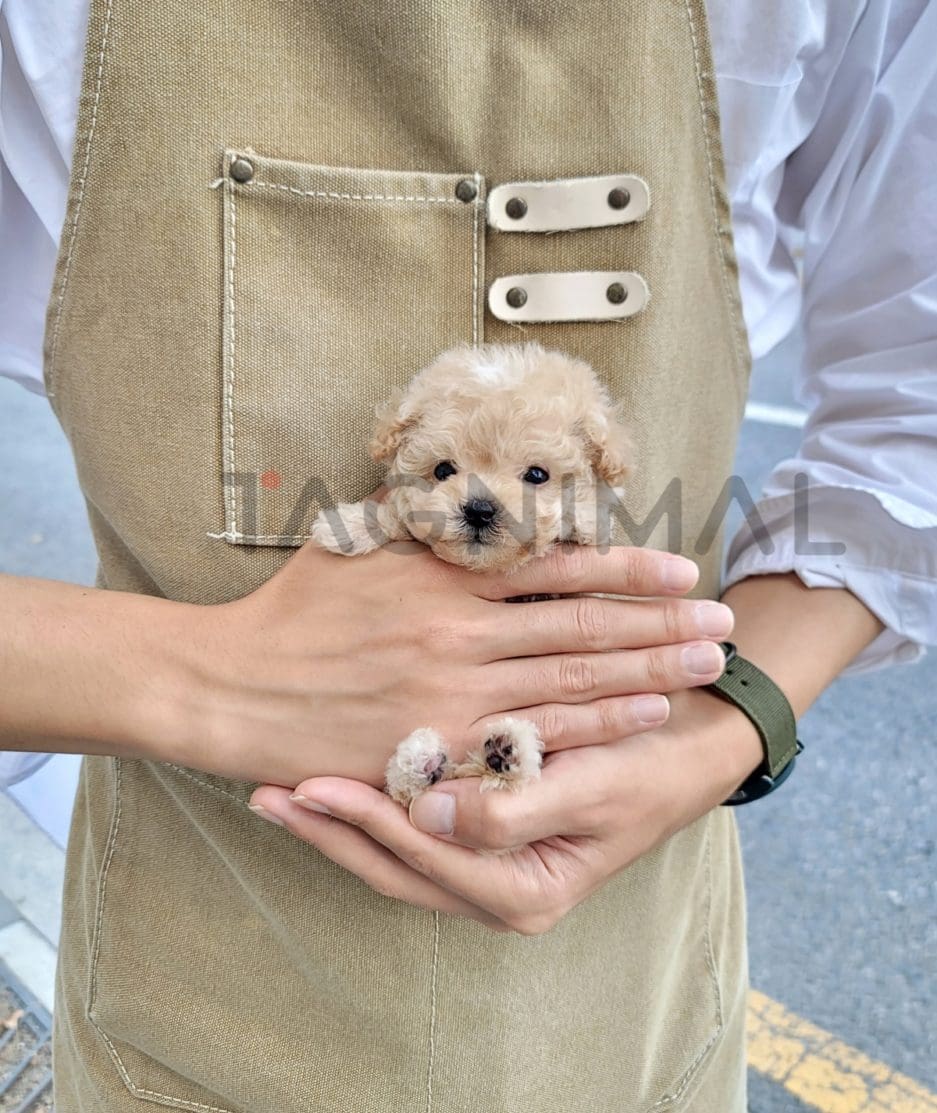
[829,125]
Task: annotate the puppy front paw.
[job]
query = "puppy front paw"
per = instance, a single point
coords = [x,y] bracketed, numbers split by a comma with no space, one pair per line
[349,529]
[511,756]
[421,760]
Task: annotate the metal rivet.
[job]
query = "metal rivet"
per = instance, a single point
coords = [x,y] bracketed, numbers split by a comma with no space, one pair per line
[516,297]
[516,208]
[619,198]
[616,293]
[241,170]
[466,190]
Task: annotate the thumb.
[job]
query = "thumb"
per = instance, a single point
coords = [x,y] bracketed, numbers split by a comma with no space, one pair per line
[458,811]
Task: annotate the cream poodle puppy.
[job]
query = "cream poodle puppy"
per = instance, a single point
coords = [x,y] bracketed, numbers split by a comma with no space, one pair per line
[494,454]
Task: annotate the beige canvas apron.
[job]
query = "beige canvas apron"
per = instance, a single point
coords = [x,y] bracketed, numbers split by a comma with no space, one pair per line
[216,341]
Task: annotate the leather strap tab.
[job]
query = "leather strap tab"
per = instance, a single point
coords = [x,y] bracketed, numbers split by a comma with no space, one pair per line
[568,296]
[568,204]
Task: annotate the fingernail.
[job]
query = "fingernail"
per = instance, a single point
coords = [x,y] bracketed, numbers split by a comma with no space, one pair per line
[679,574]
[651,709]
[264,814]
[434,813]
[714,620]
[702,660]
[312,805]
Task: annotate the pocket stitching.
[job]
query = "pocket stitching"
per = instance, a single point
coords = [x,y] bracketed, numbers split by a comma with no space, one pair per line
[136,1091]
[228,452]
[478,193]
[231,534]
[332,195]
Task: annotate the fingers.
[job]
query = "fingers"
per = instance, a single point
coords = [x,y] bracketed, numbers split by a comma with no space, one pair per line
[565,802]
[585,677]
[588,624]
[566,726]
[489,884]
[352,849]
[569,569]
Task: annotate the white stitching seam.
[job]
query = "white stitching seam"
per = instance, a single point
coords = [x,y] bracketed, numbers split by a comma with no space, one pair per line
[723,235]
[432,1015]
[260,538]
[211,788]
[689,1074]
[228,453]
[332,195]
[166,1099]
[475,261]
[73,230]
[231,534]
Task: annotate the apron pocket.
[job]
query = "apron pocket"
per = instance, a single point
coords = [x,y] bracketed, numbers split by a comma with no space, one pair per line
[339,285]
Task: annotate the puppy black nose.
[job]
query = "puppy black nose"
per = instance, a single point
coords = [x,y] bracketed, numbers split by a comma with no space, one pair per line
[479,512]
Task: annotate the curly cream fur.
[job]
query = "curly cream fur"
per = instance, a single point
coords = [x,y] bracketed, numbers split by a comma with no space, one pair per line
[493,412]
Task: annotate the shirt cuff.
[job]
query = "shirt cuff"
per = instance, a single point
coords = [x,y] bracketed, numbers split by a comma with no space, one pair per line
[845,537]
[17,766]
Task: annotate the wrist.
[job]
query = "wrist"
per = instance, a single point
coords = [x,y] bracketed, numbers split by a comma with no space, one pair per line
[86,670]
[712,748]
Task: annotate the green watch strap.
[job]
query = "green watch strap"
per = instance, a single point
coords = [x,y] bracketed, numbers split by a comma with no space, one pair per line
[758,697]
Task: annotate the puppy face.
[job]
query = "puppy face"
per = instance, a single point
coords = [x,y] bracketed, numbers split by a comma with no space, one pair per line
[498,452]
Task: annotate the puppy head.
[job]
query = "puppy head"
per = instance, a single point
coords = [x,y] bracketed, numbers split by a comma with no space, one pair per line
[495,453]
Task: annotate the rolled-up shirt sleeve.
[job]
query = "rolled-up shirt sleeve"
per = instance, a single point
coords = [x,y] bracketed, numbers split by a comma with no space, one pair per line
[15,766]
[862,188]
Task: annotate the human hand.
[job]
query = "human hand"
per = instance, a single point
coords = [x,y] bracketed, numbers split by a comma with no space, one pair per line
[333,661]
[595,810]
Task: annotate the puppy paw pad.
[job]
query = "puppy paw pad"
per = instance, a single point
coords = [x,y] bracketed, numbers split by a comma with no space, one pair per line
[421,760]
[500,755]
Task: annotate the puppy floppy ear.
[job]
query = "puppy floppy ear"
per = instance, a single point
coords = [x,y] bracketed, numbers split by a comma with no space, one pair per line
[392,419]
[608,444]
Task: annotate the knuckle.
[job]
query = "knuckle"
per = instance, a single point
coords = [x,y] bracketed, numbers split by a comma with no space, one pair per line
[610,717]
[658,671]
[552,723]
[675,621]
[633,562]
[497,830]
[591,619]
[385,888]
[569,566]
[533,922]
[576,676]
[423,865]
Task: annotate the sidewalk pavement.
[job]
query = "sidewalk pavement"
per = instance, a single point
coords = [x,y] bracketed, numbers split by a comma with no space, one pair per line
[32,867]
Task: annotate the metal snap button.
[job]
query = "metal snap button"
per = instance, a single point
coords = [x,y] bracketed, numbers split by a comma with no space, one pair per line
[619,198]
[516,208]
[466,190]
[516,297]
[616,293]
[241,170]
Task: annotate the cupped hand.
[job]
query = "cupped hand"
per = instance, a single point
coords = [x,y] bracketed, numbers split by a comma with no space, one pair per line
[333,661]
[594,811]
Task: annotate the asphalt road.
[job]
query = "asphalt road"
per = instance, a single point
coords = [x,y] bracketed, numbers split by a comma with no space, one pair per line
[841,863]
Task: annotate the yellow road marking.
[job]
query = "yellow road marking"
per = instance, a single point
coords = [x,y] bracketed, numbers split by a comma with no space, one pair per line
[822,1071]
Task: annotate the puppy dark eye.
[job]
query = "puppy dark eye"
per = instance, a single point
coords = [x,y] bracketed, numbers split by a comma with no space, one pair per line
[536,475]
[444,469]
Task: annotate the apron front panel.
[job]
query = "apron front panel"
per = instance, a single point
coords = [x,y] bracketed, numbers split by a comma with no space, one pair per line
[213,351]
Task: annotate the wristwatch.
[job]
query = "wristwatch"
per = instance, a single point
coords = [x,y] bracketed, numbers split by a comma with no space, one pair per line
[758,697]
